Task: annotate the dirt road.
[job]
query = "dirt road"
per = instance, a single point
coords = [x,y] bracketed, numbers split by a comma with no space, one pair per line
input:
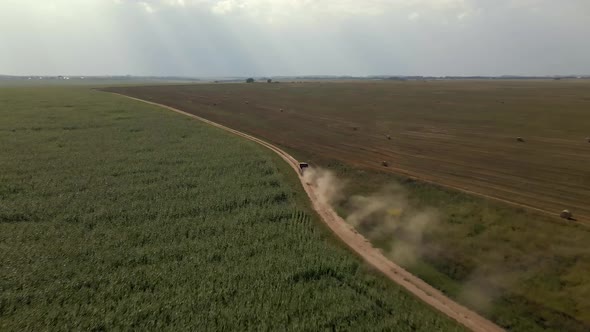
[363,247]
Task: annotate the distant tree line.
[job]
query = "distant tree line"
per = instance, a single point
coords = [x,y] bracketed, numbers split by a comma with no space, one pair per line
[251,80]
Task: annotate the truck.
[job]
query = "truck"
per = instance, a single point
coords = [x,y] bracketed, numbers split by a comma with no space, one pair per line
[302,167]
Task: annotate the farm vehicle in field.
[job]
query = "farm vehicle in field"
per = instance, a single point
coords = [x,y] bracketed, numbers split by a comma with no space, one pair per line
[303,167]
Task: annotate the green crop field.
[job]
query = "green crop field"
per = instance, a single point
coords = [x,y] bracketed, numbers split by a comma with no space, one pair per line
[118,215]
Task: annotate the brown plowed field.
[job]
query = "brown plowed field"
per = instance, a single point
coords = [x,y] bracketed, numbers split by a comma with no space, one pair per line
[460,134]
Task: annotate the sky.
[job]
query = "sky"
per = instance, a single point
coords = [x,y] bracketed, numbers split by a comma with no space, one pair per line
[223,38]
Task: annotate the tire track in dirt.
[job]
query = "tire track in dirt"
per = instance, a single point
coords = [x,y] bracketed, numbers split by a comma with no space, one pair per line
[361,246]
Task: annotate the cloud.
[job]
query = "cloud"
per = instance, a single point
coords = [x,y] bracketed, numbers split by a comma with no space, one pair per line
[147,7]
[223,7]
[297,8]
[413,16]
[293,37]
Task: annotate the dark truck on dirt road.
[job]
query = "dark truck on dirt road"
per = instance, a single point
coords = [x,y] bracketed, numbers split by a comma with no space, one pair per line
[303,167]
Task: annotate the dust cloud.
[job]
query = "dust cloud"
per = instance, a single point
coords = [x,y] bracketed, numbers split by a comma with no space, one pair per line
[480,289]
[329,189]
[477,293]
[402,229]
[386,217]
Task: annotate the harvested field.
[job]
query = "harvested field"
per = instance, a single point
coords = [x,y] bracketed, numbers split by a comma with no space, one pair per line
[460,134]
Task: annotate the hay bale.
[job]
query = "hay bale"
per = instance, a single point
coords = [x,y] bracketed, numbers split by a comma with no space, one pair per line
[588,139]
[388,137]
[566,214]
[384,163]
[520,139]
